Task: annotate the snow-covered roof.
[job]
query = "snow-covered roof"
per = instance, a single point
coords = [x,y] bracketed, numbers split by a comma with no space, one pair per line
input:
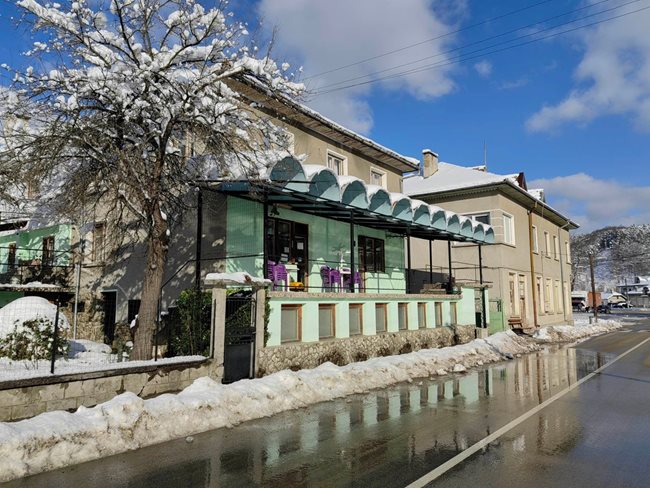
[452,177]
[322,184]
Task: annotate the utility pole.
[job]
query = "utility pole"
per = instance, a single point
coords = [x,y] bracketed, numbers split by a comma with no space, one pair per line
[593,287]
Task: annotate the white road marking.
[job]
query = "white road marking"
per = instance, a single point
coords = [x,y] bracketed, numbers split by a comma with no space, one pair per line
[459,458]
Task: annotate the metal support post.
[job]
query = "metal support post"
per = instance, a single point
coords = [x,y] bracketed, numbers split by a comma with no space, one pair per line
[352,252]
[450,285]
[480,274]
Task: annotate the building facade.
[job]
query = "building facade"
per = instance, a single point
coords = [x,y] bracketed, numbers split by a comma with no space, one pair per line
[529,266]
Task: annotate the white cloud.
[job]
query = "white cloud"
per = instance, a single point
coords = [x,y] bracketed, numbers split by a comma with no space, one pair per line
[513,84]
[483,68]
[595,203]
[613,77]
[325,35]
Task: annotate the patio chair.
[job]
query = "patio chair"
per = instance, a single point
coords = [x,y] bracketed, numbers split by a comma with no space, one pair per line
[326,278]
[336,279]
[280,275]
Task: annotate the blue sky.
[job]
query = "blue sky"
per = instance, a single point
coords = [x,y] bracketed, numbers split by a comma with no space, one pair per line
[573,111]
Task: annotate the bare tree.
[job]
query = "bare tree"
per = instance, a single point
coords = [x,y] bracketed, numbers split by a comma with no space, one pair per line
[134,82]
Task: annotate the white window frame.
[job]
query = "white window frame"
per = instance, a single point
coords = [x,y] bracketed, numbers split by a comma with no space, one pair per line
[567,249]
[511,219]
[535,240]
[344,162]
[379,172]
[479,214]
[547,244]
[556,248]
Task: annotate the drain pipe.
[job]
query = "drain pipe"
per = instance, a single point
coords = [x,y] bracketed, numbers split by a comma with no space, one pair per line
[533,277]
[559,231]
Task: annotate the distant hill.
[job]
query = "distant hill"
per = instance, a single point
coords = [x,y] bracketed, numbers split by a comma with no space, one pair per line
[620,253]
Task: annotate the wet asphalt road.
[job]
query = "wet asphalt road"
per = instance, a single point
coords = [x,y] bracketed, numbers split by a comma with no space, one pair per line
[596,435]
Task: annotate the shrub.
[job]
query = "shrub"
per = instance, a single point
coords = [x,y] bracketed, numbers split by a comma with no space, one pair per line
[360,356]
[406,348]
[334,357]
[33,340]
[384,351]
[192,333]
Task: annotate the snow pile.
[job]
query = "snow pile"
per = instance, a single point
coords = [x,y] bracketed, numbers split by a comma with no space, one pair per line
[88,351]
[239,278]
[570,333]
[56,439]
[14,314]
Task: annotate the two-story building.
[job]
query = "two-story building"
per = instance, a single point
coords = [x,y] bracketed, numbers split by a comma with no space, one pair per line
[529,267]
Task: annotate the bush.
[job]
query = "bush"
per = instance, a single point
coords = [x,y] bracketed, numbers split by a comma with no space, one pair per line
[32,341]
[192,333]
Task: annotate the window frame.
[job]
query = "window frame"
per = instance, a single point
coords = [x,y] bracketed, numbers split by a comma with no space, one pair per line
[402,311]
[535,240]
[362,254]
[547,244]
[298,309]
[453,313]
[98,254]
[12,255]
[384,306]
[510,220]
[332,311]
[556,248]
[47,253]
[474,216]
[567,250]
[358,307]
[343,170]
[422,315]
[437,308]
[380,172]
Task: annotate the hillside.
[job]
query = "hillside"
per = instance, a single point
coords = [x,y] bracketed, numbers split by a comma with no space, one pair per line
[621,252]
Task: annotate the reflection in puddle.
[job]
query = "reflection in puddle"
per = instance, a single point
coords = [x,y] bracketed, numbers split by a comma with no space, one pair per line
[384,436]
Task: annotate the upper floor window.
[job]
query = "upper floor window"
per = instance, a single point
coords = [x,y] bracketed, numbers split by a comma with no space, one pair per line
[483,217]
[11,256]
[535,240]
[377,177]
[336,163]
[567,250]
[99,238]
[547,244]
[508,229]
[556,247]
[47,258]
[371,254]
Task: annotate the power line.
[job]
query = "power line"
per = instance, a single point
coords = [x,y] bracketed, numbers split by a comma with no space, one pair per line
[409,46]
[564,14]
[462,58]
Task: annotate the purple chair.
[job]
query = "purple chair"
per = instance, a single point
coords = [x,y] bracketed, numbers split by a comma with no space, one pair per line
[336,278]
[358,281]
[277,274]
[326,278]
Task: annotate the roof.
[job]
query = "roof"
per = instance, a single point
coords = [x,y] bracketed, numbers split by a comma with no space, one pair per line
[317,190]
[297,114]
[455,180]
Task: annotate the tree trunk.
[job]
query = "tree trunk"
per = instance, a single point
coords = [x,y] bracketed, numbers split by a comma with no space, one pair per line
[153,277]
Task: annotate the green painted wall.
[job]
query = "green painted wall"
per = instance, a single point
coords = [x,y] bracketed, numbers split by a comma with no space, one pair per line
[244,245]
[29,244]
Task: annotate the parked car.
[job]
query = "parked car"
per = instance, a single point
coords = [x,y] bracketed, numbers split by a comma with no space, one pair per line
[604,308]
[621,305]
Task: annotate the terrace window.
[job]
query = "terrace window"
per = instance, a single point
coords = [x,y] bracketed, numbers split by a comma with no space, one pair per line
[402,316]
[291,323]
[371,254]
[381,317]
[47,257]
[11,256]
[356,318]
[326,321]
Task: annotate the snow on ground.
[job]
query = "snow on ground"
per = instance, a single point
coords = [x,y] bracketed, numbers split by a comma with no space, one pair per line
[28,308]
[571,333]
[56,439]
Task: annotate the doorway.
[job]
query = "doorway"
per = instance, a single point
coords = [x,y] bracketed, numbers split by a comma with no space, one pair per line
[522,298]
[109,304]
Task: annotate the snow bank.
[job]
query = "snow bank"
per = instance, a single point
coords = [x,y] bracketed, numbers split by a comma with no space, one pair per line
[233,279]
[571,333]
[24,309]
[56,439]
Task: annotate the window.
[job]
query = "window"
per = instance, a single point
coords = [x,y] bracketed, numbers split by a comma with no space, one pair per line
[480,217]
[99,234]
[453,306]
[377,177]
[567,250]
[438,307]
[336,163]
[356,318]
[11,256]
[558,297]
[291,323]
[547,244]
[371,254]
[402,316]
[47,257]
[33,188]
[381,317]
[133,309]
[422,315]
[556,247]
[540,295]
[508,229]
[326,321]
[535,240]
[288,242]
[548,296]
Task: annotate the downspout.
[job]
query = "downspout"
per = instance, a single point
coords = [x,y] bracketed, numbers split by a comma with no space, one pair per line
[564,304]
[532,265]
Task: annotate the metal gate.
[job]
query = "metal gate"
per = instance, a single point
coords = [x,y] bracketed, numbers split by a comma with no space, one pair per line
[239,341]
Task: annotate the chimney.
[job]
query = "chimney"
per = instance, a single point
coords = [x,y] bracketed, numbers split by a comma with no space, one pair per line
[429,162]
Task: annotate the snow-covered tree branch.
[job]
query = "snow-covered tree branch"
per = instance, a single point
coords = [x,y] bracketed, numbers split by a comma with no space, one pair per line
[137,84]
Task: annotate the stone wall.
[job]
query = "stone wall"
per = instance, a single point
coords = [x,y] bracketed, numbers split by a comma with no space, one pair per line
[26,398]
[359,348]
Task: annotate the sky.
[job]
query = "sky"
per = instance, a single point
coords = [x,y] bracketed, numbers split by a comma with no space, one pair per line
[572,110]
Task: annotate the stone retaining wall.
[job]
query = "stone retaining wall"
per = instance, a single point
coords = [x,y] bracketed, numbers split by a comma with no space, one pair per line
[26,398]
[359,348]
